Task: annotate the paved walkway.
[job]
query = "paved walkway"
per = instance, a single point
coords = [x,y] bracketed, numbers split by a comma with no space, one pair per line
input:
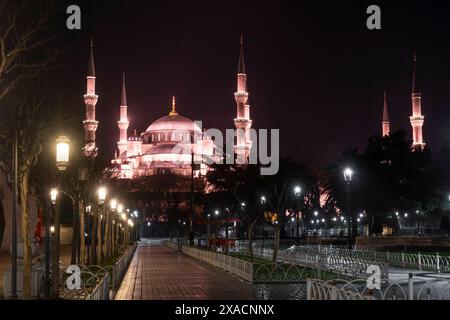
[159,273]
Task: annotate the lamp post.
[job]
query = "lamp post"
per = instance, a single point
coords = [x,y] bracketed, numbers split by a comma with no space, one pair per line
[263,201]
[62,162]
[209,228]
[348,173]
[90,229]
[297,192]
[48,284]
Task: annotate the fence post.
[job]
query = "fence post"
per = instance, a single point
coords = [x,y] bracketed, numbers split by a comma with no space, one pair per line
[308,289]
[437,262]
[319,271]
[403,260]
[410,287]
[420,261]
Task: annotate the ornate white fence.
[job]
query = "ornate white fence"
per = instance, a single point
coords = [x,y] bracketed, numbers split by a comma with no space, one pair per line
[172,245]
[418,261]
[339,289]
[121,266]
[101,290]
[96,280]
[239,267]
[348,267]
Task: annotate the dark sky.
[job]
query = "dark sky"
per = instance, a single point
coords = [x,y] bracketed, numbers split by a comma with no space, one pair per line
[314,70]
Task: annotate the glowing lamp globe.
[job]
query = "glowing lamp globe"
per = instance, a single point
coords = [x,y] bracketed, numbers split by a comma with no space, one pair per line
[101,195]
[113,204]
[348,173]
[53,195]
[62,153]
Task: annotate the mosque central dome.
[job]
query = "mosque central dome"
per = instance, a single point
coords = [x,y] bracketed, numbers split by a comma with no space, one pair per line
[174,122]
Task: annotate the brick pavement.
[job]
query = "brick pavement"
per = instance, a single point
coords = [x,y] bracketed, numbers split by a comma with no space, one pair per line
[159,273]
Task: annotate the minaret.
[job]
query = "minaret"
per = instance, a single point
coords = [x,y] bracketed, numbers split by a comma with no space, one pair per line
[242,121]
[123,122]
[385,124]
[417,118]
[90,100]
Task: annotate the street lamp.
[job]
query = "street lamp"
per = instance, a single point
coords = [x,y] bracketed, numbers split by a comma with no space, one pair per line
[297,193]
[216,212]
[62,162]
[348,173]
[119,208]
[113,204]
[101,192]
[62,153]
[263,200]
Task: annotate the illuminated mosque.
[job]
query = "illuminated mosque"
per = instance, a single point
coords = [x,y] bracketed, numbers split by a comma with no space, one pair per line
[172,143]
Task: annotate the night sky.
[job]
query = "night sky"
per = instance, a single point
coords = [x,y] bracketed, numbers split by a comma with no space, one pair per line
[314,70]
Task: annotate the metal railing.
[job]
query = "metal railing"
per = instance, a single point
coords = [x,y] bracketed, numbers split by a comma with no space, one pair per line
[418,261]
[348,267]
[172,245]
[407,289]
[96,280]
[101,290]
[121,266]
[239,267]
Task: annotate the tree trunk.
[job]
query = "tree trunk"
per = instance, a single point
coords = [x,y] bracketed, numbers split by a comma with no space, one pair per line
[215,240]
[73,259]
[276,244]
[226,237]
[93,237]
[27,258]
[99,238]
[107,244]
[81,233]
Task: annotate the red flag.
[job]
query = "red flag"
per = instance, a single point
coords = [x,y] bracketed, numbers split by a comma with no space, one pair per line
[38,230]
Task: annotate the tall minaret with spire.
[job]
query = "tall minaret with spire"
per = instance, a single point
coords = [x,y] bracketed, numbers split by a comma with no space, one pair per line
[123,122]
[417,118]
[242,121]
[90,100]
[385,124]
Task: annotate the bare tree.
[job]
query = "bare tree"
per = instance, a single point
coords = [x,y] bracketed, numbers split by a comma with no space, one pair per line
[26,39]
